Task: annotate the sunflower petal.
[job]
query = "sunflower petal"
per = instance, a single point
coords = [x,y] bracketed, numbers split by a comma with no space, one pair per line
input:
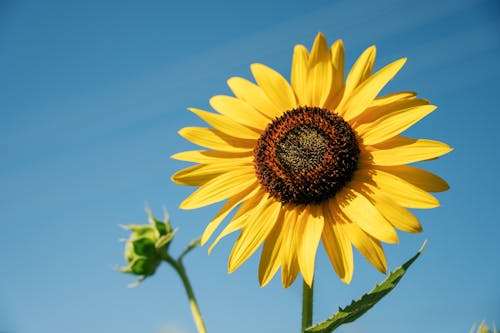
[393,98]
[270,259]
[275,86]
[393,124]
[299,74]
[337,87]
[358,209]
[401,150]
[368,246]
[210,138]
[213,156]
[240,219]
[398,190]
[337,52]
[226,125]
[313,221]
[289,262]
[234,201]
[319,78]
[255,96]
[220,188]
[360,71]
[337,245]
[192,180]
[398,216]
[374,113]
[289,275]
[240,111]
[259,226]
[198,175]
[425,180]
[363,96]
[233,226]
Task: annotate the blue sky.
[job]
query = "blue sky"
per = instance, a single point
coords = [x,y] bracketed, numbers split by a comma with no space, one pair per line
[92,95]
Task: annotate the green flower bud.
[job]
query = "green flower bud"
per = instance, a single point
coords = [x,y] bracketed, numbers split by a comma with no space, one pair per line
[144,247]
[483,328]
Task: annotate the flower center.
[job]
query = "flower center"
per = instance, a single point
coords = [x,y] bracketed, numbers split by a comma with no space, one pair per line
[302,148]
[306,156]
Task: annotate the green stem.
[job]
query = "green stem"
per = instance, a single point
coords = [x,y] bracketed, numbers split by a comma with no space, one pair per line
[307,305]
[193,304]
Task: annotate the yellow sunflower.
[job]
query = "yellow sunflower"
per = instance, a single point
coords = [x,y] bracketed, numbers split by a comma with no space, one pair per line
[318,159]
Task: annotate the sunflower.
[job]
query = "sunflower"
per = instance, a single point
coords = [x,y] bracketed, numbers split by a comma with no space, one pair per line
[320,159]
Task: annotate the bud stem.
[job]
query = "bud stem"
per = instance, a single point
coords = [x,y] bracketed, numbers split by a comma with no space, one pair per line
[193,304]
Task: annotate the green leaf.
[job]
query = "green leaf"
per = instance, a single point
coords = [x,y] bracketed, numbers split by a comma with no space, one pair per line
[357,308]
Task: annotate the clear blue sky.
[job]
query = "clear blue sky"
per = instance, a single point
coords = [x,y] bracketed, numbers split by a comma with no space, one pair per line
[92,95]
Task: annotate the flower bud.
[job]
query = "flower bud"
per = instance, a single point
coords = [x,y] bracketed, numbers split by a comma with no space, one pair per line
[483,328]
[144,247]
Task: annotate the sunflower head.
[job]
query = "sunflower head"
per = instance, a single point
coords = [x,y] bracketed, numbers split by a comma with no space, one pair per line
[318,159]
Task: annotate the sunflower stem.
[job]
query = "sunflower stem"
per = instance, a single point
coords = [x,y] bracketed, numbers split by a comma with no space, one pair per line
[193,304]
[307,305]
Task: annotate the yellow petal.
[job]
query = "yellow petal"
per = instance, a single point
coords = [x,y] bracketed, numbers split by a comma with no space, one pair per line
[270,259]
[210,138]
[312,227]
[240,111]
[365,93]
[240,219]
[289,262]
[289,275]
[299,74]
[425,180]
[226,125]
[213,156]
[220,188]
[392,124]
[234,201]
[255,96]
[393,98]
[337,88]
[319,78]
[373,113]
[397,189]
[360,71]
[337,52]
[254,233]
[192,180]
[337,245]
[358,209]
[233,226]
[275,86]
[368,246]
[198,175]
[398,216]
[401,150]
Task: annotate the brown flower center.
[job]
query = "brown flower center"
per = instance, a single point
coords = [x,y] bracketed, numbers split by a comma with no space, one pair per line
[306,156]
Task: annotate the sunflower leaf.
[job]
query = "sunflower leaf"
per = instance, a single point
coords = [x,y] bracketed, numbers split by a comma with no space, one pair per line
[357,308]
